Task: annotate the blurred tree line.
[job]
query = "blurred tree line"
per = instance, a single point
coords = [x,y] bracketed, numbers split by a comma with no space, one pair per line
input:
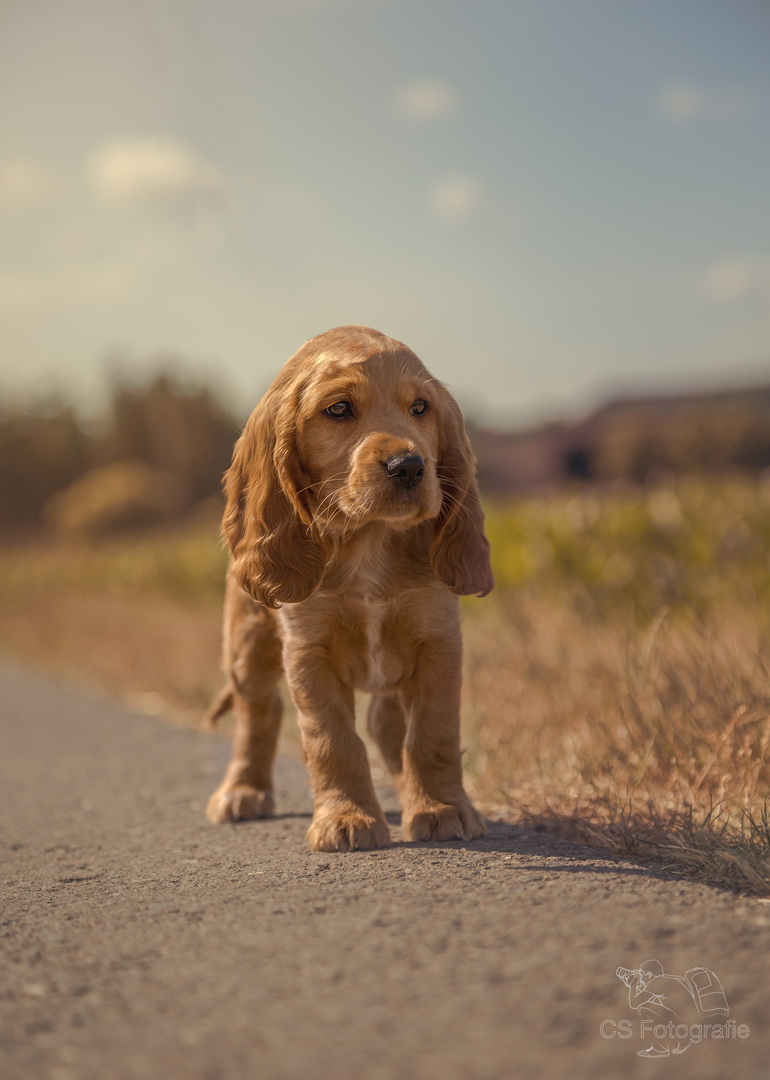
[160,451]
[162,448]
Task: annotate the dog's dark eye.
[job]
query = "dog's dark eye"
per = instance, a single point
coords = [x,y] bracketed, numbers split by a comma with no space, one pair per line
[339,410]
[418,407]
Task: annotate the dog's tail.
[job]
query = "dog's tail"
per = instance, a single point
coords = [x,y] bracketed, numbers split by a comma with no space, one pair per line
[221,704]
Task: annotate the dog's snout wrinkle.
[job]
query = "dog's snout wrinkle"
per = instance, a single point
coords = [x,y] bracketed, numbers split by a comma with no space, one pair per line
[406,469]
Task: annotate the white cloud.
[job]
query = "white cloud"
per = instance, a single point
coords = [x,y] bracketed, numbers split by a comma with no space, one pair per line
[456,198]
[162,172]
[24,184]
[736,277]
[682,103]
[425,99]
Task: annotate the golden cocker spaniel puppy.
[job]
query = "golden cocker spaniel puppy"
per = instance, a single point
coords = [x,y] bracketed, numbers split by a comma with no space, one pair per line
[354,523]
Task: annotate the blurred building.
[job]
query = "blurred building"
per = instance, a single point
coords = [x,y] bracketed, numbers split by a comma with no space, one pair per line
[632,438]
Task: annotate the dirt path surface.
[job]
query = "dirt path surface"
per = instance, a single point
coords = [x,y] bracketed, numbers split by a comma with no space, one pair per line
[137,941]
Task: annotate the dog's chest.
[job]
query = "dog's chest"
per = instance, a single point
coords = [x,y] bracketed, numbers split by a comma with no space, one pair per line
[378,624]
[374,622]
[369,616]
[377,662]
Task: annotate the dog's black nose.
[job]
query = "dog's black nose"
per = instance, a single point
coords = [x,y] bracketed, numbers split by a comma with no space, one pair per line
[406,469]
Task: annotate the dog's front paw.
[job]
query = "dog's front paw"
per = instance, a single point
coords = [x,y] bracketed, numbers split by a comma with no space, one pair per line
[239,803]
[439,822]
[350,831]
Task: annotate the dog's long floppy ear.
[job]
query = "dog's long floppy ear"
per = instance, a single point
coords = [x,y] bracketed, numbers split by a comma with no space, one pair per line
[277,555]
[460,549]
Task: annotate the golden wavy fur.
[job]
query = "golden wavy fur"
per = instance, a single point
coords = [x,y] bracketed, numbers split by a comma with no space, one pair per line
[353,521]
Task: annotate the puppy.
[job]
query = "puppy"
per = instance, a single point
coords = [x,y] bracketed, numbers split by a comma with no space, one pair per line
[353,521]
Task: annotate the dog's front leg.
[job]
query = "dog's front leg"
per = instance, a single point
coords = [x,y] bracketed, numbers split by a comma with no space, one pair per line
[346,816]
[434,803]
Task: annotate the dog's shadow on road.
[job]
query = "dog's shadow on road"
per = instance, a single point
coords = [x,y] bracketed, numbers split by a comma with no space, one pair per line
[534,848]
[529,847]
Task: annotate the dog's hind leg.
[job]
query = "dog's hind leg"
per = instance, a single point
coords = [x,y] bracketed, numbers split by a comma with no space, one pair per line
[386,721]
[252,654]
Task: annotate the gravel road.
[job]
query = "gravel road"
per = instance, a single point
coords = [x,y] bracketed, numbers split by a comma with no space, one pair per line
[138,941]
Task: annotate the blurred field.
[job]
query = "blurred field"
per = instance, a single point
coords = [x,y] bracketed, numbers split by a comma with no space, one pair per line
[617,682]
[140,617]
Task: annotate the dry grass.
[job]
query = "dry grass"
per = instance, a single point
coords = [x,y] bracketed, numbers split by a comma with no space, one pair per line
[140,619]
[617,685]
[647,742]
[154,653]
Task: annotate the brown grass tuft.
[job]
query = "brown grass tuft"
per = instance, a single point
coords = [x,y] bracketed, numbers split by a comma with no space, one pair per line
[651,742]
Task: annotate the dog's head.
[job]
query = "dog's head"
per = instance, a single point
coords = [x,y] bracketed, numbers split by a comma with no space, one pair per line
[353,430]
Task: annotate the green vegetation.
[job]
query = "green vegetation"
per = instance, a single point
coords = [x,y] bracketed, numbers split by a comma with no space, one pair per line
[187,565]
[702,544]
[692,544]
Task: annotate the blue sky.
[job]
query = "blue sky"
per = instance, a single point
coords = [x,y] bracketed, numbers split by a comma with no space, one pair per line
[549,201]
